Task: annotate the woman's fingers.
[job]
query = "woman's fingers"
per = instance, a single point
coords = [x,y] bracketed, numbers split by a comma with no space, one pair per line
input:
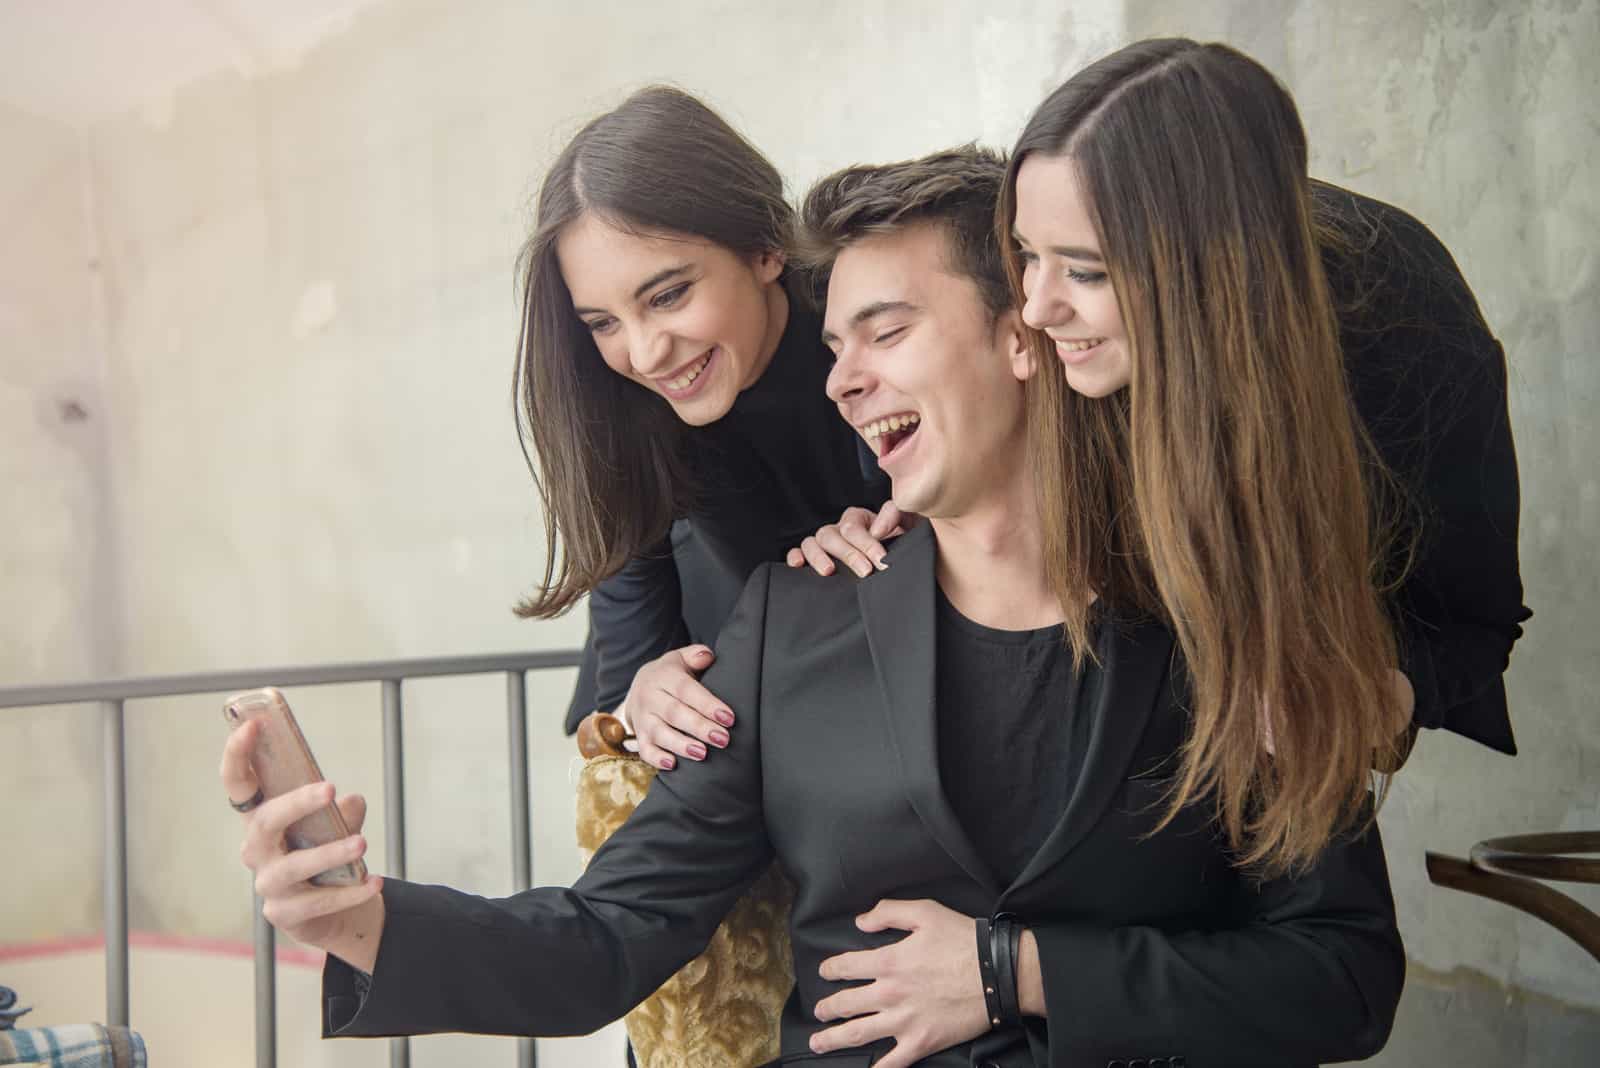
[817,556]
[678,728]
[672,714]
[886,522]
[853,542]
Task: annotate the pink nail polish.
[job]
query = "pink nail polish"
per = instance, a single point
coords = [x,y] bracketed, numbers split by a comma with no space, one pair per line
[719,739]
[697,751]
[724,717]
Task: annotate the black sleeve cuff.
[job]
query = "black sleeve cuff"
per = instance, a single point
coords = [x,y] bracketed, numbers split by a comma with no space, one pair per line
[344,992]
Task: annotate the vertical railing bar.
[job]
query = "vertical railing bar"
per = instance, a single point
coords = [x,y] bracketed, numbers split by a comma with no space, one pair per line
[266,961]
[521,802]
[116,865]
[394,814]
[517,728]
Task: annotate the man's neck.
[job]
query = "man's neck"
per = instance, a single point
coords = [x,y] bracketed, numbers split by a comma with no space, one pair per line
[991,564]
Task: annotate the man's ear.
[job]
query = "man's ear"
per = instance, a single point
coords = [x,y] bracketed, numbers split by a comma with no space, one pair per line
[768,265]
[1012,336]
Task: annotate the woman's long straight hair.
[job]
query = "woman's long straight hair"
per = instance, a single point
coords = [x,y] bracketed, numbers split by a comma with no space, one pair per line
[607,455]
[1228,491]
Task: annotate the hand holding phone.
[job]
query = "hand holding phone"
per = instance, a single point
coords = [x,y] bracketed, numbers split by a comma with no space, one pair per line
[282,762]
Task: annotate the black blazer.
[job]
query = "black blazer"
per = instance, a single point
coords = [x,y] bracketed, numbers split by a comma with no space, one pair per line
[1151,947]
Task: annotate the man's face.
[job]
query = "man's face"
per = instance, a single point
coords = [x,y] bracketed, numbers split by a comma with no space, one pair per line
[923,374]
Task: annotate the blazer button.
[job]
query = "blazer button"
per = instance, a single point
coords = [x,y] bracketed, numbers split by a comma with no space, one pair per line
[1160,1062]
[1116,1064]
[1140,1063]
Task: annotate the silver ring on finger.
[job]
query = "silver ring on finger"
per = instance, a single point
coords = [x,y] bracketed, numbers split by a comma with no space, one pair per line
[248,803]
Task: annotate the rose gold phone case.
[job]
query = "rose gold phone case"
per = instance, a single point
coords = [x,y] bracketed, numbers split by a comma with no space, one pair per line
[283,762]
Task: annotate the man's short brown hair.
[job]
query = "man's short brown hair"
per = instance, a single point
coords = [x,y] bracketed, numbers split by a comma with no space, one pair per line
[957,188]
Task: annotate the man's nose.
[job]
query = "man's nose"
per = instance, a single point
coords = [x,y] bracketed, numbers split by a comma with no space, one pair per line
[848,379]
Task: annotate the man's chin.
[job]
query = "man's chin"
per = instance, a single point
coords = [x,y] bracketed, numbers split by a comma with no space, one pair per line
[909,499]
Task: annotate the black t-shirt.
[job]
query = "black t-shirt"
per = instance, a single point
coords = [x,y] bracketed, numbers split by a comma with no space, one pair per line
[1013,730]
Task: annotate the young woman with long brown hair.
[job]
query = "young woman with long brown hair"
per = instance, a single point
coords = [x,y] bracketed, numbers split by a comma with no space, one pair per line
[1210,454]
[669,392]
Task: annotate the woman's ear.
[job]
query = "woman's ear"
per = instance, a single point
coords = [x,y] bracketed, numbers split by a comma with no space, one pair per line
[1014,340]
[768,265]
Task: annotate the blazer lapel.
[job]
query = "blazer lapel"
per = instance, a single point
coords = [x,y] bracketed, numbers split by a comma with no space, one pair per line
[899,611]
[1135,660]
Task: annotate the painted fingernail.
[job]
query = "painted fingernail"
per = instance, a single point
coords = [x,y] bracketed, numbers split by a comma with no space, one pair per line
[719,739]
[668,763]
[724,717]
[697,751]
[880,565]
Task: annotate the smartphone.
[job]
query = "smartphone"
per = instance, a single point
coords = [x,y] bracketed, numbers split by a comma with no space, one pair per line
[283,762]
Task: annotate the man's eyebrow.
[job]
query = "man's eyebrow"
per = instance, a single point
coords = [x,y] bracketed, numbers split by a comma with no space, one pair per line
[871,311]
[643,287]
[1071,252]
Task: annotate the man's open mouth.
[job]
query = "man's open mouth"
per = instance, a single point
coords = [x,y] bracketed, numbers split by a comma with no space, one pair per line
[886,435]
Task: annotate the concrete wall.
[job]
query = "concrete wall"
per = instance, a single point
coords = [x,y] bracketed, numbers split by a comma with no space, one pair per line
[283,302]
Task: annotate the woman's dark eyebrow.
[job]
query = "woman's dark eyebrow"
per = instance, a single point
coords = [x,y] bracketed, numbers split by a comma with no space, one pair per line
[1071,252]
[659,277]
[643,288]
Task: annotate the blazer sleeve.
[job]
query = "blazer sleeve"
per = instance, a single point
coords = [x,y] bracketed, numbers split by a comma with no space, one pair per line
[634,617]
[565,961]
[1428,379]
[1309,971]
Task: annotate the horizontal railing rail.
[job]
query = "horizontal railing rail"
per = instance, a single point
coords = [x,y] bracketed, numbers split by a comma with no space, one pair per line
[112,696]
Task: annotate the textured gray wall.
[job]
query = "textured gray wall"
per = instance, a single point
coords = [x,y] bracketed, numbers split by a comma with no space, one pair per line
[283,303]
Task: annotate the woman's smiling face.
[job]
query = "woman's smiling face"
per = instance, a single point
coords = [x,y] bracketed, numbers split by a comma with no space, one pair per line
[685,318]
[1067,293]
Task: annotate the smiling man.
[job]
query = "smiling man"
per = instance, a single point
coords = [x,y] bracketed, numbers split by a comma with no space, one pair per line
[969,819]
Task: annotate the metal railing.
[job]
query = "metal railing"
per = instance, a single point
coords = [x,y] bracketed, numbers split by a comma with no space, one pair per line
[113,696]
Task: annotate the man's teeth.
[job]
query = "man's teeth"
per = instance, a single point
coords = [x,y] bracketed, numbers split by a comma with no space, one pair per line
[873,431]
[1079,346]
[685,380]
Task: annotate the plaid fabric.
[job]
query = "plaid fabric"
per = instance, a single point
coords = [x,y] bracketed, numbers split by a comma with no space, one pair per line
[74,1046]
